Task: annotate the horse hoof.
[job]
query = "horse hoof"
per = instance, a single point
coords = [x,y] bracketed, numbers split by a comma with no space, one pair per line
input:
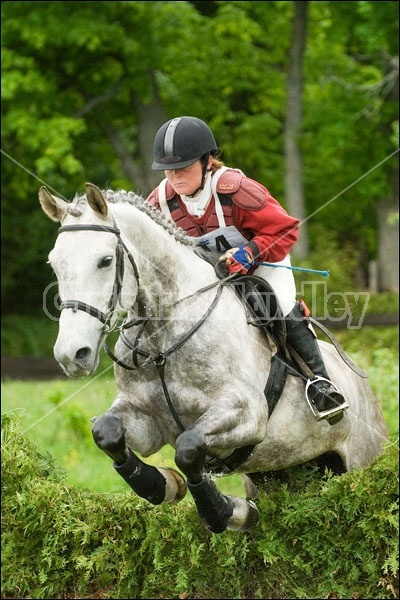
[250,487]
[245,515]
[176,487]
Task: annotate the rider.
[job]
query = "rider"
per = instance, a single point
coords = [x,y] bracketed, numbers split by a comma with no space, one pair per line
[230,212]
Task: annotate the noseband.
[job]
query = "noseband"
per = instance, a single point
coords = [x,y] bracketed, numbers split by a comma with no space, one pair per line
[105,318]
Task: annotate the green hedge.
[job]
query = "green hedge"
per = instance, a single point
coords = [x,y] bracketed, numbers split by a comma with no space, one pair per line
[320,536]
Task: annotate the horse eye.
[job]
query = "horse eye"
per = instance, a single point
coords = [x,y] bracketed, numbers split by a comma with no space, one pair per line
[105,262]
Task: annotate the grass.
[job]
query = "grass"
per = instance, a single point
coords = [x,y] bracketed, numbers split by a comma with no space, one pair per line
[57,416]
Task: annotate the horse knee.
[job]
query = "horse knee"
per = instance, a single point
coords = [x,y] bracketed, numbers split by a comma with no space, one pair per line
[190,455]
[109,435]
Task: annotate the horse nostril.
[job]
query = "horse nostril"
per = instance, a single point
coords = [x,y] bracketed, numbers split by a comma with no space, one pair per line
[82,353]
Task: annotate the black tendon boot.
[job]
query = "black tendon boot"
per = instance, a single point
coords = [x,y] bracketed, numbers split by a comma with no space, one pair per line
[324,398]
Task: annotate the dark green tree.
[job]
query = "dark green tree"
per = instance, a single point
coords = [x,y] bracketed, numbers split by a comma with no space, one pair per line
[86,85]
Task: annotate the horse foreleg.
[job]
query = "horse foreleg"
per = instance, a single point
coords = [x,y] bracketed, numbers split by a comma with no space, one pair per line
[218,512]
[156,485]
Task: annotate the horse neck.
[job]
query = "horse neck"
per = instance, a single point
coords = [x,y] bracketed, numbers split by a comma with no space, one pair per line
[163,262]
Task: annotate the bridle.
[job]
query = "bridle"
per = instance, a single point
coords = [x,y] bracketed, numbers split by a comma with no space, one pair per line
[104,317]
[158,359]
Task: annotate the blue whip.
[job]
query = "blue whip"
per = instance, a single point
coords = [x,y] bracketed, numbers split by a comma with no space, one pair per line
[268,264]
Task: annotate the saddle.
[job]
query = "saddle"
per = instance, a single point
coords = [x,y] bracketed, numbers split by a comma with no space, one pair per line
[263,311]
[259,299]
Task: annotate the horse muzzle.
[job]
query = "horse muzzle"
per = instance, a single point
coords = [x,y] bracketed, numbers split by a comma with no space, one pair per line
[77,353]
[79,364]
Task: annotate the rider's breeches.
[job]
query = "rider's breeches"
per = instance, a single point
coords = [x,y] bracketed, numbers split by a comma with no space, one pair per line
[282,282]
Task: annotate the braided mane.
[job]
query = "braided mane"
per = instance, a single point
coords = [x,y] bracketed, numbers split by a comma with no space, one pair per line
[141,204]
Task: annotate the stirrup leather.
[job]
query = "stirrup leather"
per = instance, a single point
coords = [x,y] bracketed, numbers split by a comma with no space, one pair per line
[330,412]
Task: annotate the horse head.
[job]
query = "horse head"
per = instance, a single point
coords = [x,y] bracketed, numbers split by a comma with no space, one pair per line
[97,277]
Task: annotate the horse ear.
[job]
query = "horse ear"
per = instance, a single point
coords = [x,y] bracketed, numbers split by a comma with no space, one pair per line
[96,199]
[54,207]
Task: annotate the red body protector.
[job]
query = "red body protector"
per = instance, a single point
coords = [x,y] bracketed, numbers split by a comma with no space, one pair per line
[237,202]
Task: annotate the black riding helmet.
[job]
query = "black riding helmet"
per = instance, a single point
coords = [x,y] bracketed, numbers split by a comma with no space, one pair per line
[182,141]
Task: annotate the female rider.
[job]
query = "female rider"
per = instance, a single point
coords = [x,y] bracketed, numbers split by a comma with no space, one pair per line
[238,217]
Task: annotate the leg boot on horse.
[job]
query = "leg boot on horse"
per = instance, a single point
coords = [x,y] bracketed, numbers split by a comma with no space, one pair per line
[156,485]
[217,511]
[326,400]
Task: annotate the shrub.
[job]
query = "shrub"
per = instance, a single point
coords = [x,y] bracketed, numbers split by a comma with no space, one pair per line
[320,536]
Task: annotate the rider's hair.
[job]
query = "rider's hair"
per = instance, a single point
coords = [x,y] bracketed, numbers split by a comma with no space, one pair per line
[216,164]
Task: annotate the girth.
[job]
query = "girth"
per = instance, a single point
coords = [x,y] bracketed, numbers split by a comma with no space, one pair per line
[263,309]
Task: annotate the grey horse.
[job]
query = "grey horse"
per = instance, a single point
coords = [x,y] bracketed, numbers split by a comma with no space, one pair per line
[190,371]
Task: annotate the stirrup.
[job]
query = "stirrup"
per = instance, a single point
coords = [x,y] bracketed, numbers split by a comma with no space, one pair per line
[330,413]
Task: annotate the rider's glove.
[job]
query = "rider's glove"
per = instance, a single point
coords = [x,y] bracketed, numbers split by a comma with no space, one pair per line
[239,260]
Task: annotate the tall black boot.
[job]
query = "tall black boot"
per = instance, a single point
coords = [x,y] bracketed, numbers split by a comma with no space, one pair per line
[324,398]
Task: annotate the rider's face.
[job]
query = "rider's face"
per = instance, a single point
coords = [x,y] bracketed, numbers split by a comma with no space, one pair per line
[187,180]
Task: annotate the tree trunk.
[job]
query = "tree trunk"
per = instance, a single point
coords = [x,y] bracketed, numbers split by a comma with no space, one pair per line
[294,191]
[387,211]
[138,168]
[388,241]
[150,118]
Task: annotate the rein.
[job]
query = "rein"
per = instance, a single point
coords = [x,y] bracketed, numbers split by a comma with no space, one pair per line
[159,359]
[160,356]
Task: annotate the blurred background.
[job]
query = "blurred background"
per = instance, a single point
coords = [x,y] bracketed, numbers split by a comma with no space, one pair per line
[302,96]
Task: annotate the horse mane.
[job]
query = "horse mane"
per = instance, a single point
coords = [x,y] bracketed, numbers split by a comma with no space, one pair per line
[141,204]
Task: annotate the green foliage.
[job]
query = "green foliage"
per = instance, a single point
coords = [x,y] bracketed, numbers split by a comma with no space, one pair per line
[82,102]
[382,366]
[338,527]
[337,298]
[319,536]
[23,335]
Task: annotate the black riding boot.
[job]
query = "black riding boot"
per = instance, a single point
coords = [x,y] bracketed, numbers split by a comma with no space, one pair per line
[324,398]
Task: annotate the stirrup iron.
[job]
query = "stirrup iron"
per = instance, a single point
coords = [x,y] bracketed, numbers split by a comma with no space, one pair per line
[330,412]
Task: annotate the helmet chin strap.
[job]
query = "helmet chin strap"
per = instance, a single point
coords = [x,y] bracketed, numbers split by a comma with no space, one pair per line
[204,161]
